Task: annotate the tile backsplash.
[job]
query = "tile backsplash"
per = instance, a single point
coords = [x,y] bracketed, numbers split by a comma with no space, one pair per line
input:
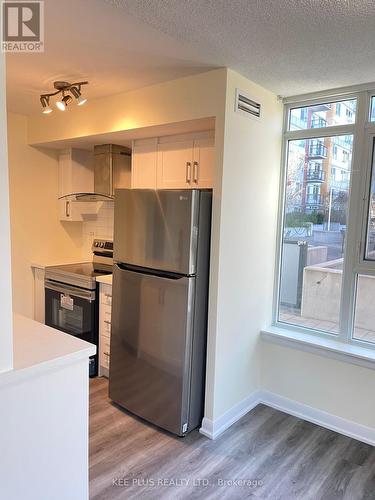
[99,226]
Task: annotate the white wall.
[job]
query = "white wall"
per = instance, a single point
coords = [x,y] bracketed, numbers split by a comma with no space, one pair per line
[6,344]
[37,234]
[44,436]
[244,272]
[339,388]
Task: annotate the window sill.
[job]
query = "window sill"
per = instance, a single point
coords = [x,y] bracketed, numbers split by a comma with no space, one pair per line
[321,346]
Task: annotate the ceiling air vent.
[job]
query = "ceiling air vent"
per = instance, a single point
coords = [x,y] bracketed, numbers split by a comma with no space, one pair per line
[247,105]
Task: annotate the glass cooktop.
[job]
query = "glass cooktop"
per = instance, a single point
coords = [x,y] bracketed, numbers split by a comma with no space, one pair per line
[82,274]
[88,269]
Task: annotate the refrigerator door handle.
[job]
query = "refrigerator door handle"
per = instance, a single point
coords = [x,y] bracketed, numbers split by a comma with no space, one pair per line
[150,272]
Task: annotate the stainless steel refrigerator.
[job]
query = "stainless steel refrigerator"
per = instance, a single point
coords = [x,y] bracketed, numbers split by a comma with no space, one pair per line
[159,308]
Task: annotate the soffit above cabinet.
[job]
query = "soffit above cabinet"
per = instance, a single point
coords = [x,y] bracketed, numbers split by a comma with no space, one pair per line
[126,137]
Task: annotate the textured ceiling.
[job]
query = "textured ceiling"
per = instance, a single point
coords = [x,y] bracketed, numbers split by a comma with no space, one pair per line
[287,46]
[89,39]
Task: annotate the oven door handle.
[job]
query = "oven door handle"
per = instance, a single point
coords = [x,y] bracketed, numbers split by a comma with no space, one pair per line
[69,290]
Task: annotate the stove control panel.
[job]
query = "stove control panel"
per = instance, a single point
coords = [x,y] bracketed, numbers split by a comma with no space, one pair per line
[102,246]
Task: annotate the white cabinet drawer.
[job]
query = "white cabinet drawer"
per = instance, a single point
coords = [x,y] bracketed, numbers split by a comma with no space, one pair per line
[107,299]
[105,362]
[106,311]
[105,327]
[105,346]
[106,295]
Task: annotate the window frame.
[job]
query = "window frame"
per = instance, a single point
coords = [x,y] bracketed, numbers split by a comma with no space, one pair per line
[363,132]
[371,96]
[366,265]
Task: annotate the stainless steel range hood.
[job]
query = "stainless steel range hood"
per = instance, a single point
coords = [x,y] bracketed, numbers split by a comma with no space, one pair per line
[112,170]
[112,166]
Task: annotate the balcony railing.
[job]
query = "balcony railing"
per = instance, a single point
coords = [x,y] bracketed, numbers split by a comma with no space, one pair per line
[325,106]
[318,122]
[297,123]
[314,199]
[341,185]
[345,144]
[315,175]
[317,150]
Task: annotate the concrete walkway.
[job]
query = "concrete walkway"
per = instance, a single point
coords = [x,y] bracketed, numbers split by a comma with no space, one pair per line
[294,318]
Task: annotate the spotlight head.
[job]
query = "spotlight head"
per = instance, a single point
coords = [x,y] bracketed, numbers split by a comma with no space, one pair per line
[61,105]
[81,100]
[46,108]
[77,94]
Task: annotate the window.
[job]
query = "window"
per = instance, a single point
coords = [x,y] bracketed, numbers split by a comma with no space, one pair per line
[322,115]
[313,238]
[326,271]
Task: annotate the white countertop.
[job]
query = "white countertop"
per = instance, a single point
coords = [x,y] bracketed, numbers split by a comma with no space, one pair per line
[107,279]
[37,348]
[52,263]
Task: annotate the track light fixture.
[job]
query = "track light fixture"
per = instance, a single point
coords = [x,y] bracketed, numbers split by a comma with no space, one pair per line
[67,90]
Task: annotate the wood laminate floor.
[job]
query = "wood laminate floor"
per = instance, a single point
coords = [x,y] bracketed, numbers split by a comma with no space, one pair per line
[266,455]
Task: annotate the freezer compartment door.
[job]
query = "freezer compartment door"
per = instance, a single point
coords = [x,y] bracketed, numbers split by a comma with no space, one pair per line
[157,229]
[151,344]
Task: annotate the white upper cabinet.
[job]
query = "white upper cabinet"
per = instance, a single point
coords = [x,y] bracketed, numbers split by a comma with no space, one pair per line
[76,172]
[174,162]
[144,164]
[203,162]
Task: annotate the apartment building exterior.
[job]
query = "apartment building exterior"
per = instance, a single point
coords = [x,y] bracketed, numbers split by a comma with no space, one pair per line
[319,168]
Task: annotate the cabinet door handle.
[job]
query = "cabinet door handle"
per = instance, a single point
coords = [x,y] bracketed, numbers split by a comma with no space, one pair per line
[67,209]
[196,172]
[188,172]
[106,353]
[107,322]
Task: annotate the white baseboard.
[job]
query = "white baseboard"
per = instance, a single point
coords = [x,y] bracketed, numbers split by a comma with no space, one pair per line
[213,429]
[320,417]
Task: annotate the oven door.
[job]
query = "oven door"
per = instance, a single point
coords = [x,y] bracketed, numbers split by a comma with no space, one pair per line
[74,311]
